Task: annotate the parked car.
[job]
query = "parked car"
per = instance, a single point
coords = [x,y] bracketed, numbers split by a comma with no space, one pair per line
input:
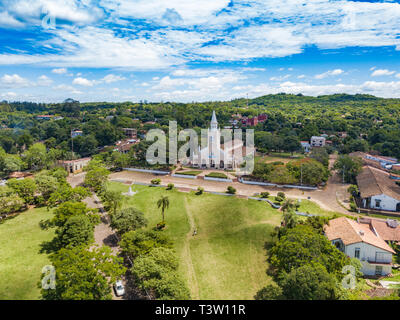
[119,288]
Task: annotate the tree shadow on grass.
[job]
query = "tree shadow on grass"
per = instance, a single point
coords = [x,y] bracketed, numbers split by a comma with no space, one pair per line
[45,224]
[49,247]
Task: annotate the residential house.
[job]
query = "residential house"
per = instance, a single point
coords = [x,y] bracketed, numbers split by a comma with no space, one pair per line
[306,146]
[130,132]
[317,141]
[76,133]
[361,241]
[44,117]
[388,230]
[125,145]
[74,166]
[377,190]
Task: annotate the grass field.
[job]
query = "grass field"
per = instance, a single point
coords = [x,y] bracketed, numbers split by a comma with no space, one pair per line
[20,260]
[226,259]
[276,156]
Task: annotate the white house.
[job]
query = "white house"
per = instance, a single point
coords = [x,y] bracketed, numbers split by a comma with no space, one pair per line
[317,141]
[377,190]
[306,146]
[361,241]
[229,155]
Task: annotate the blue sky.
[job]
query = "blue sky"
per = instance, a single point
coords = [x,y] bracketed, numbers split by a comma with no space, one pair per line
[196,50]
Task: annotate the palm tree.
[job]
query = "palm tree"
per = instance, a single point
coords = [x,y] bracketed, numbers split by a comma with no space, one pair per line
[163,203]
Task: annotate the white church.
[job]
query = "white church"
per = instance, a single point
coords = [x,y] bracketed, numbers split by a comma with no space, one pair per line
[229,155]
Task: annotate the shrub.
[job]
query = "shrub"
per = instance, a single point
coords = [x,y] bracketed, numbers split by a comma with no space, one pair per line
[156,181]
[264,194]
[199,191]
[231,190]
[278,199]
[281,195]
[170,186]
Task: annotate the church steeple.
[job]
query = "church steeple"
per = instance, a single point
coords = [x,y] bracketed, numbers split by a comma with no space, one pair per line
[214,122]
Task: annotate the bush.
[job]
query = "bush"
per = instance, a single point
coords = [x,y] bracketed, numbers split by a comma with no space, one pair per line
[200,191]
[231,190]
[170,186]
[156,181]
[281,195]
[279,199]
[264,194]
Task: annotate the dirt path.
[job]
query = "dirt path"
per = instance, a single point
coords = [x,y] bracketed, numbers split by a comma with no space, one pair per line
[103,234]
[187,256]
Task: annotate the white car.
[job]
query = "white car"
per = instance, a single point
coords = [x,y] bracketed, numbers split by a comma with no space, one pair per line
[119,288]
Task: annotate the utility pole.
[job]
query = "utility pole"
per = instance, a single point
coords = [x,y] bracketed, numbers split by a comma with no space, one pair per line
[344,169]
[247,101]
[301,174]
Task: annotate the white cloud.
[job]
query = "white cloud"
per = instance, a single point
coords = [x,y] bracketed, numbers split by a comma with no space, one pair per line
[280,78]
[13,81]
[329,73]
[382,72]
[44,81]
[83,82]
[60,71]
[8,21]
[110,78]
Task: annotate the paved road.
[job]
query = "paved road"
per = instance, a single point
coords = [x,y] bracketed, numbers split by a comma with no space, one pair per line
[325,198]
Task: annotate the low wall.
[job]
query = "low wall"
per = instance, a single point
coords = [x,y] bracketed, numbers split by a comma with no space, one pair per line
[276,185]
[220,193]
[217,179]
[185,176]
[147,171]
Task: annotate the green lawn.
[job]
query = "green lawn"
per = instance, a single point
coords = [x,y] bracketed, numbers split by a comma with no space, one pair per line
[276,156]
[226,259]
[20,260]
[219,175]
[189,173]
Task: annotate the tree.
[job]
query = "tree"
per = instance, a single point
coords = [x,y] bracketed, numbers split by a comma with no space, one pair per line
[25,189]
[10,202]
[290,205]
[321,155]
[128,219]
[36,157]
[66,193]
[84,274]
[77,230]
[349,166]
[69,209]
[156,272]
[96,178]
[140,242]
[12,163]
[46,184]
[309,282]
[112,199]
[163,203]
[270,292]
[353,189]
[302,245]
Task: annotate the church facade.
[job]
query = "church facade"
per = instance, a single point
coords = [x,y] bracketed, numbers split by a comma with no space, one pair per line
[229,155]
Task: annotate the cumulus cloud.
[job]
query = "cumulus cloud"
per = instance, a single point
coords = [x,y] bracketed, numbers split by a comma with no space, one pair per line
[110,78]
[13,81]
[60,71]
[382,72]
[329,73]
[83,82]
